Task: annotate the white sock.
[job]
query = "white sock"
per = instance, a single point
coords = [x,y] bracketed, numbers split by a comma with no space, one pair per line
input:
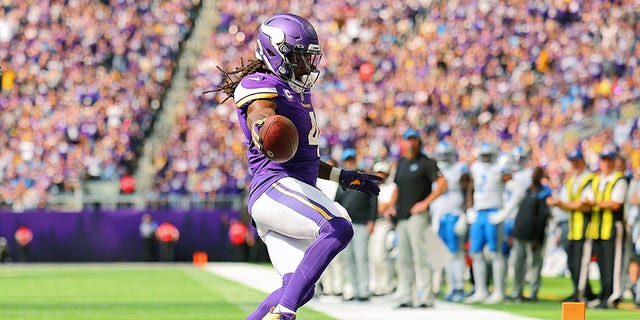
[282,309]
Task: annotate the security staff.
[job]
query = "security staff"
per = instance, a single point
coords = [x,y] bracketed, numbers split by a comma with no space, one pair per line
[570,201]
[606,230]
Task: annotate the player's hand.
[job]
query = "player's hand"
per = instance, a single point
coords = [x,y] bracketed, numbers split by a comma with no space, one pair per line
[363,182]
[255,133]
[472,215]
[497,217]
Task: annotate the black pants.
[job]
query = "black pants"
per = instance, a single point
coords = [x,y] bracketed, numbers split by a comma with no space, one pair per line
[574,260]
[609,254]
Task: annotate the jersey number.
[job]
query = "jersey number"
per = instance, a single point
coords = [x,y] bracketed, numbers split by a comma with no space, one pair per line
[314,133]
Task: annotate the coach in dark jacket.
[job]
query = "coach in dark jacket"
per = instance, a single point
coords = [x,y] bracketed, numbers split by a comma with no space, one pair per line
[529,235]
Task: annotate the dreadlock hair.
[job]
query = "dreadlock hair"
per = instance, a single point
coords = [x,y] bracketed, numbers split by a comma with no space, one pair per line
[230,79]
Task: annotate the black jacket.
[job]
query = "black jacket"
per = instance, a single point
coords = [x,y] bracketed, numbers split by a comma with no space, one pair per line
[531,220]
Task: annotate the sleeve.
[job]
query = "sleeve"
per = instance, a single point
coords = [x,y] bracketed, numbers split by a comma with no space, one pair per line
[254,87]
[433,172]
[373,209]
[619,192]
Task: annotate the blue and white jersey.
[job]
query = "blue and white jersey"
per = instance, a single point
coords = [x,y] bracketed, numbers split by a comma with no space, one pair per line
[452,201]
[488,185]
[515,188]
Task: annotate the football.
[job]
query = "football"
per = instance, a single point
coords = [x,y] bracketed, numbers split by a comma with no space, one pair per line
[279,138]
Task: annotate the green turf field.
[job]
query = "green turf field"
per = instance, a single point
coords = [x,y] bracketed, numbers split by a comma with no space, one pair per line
[549,306]
[121,291]
[180,291]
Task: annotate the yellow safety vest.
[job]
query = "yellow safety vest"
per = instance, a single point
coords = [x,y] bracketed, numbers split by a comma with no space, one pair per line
[601,223]
[576,217]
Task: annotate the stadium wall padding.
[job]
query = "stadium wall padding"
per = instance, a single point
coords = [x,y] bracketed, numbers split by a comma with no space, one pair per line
[112,235]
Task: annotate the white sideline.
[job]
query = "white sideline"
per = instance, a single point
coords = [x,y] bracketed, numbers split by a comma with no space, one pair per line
[266,279]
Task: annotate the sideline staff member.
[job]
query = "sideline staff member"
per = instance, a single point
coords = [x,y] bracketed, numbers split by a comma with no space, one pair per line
[605,232]
[415,177]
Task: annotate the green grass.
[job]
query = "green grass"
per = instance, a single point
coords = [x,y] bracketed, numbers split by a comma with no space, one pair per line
[180,291]
[112,292]
[549,306]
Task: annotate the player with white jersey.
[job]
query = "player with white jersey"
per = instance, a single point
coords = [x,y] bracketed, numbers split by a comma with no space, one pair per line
[489,179]
[447,211]
[515,190]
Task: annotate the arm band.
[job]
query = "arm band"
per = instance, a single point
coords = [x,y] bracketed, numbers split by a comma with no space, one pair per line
[335,174]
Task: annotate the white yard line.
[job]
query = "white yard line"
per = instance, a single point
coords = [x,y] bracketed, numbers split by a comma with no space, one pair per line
[266,279]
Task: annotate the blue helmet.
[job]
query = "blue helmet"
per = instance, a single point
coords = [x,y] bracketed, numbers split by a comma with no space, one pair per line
[445,152]
[288,45]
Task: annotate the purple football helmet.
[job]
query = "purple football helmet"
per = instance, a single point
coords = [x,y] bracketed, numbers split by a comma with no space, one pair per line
[288,45]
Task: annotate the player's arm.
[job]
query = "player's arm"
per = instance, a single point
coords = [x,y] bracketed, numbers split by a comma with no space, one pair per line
[324,171]
[260,109]
[350,179]
[257,111]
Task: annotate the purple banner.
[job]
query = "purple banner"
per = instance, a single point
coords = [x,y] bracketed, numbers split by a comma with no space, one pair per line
[114,235]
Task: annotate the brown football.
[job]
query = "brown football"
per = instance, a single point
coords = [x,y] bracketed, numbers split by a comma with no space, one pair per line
[279,138]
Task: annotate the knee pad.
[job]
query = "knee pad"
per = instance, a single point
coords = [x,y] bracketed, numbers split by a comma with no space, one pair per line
[338,228]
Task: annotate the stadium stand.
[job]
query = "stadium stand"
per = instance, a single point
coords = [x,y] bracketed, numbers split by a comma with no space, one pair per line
[546,76]
[81,86]
[78,102]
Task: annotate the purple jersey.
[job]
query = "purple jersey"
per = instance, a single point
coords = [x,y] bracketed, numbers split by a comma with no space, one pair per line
[296,107]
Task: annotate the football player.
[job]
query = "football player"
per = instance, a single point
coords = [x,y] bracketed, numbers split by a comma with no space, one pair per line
[302,228]
[489,179]
[447,211]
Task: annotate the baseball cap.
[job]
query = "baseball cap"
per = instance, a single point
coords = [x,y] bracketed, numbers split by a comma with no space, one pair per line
[411,133]
[575,154]
[608,152]
[382,166]
[348,153]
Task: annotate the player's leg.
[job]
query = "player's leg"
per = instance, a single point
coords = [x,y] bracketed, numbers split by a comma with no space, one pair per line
[418,223]
[380,277]
[518,253]
[495,238]
[406,268]
[536,268]
[477,239]
[299,211]
[455,268]
[360,244]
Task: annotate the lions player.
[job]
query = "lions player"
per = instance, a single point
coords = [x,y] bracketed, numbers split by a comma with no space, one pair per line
[489,179]
[302,228]
[515,189]
[447,210]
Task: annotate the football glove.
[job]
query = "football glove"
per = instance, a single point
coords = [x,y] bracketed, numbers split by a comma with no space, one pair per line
[255,133]
[363,182]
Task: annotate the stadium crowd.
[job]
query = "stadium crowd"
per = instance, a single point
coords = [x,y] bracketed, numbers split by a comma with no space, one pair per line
[81,84]
[464,72]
